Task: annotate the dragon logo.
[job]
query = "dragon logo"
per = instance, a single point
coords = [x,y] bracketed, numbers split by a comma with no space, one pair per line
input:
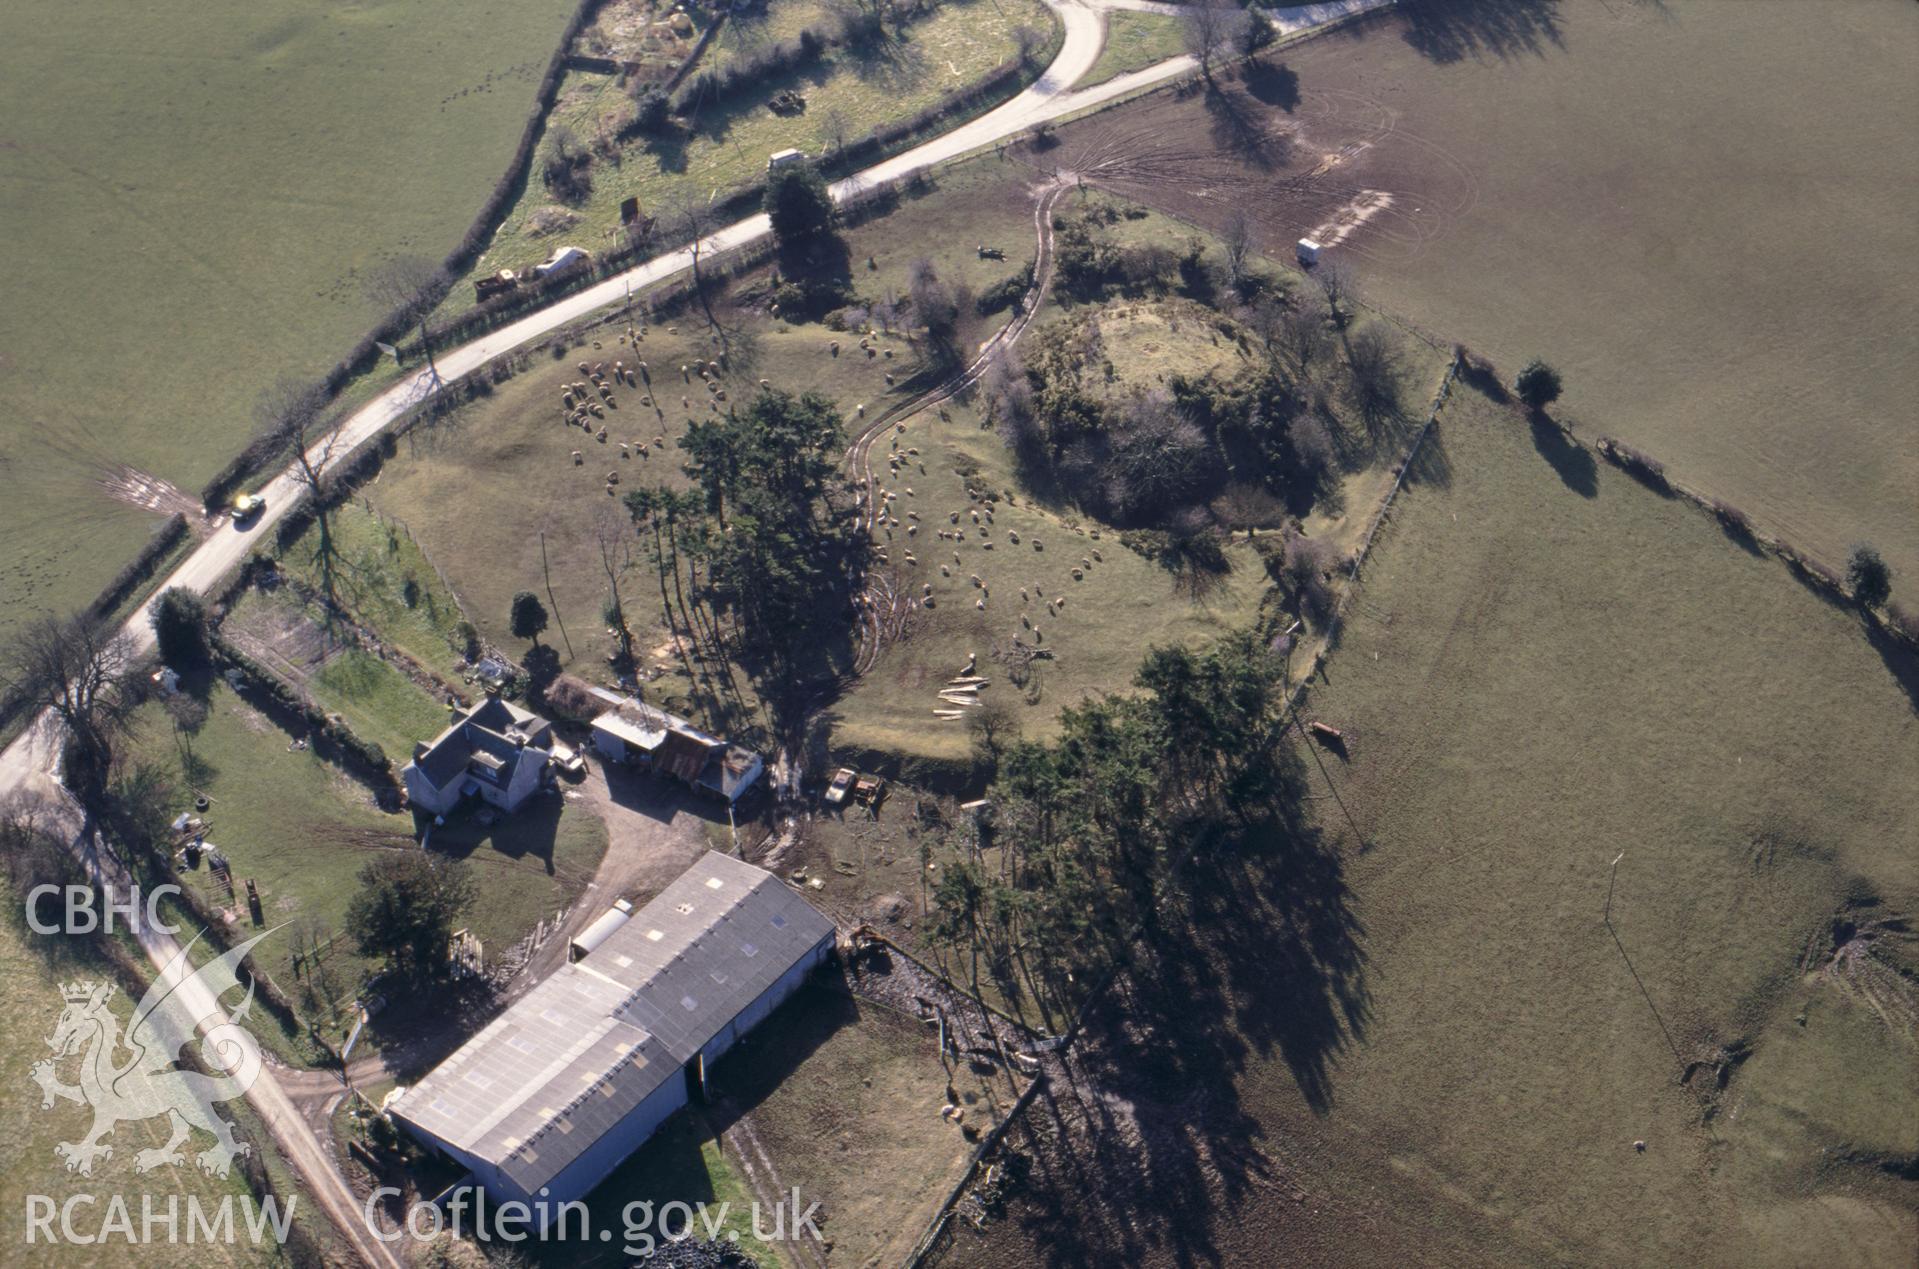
[150,1082]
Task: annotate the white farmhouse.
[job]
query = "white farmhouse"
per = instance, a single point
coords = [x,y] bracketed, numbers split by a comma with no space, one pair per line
[496,752]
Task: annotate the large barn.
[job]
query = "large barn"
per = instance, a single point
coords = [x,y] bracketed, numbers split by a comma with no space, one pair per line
[558,1090]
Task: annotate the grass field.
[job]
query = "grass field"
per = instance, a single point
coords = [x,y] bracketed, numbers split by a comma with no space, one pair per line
[1736,297]
[29,1009]
[1135,40]
[476,491]
[200,182]
[845,1096]
[302,830]
[681,1163]
[387,582]
[1119,607]
[376,697]
[378,702]
[1524,697]
[757,28]
[951,47]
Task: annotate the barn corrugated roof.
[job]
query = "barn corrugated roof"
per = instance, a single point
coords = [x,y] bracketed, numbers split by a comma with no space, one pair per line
[571,1058]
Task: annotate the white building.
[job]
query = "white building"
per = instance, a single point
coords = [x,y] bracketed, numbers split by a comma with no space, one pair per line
[496,752]
[575,1076]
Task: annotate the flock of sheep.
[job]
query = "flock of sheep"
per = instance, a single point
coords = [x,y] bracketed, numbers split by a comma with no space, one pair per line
[584,402]
[972,524]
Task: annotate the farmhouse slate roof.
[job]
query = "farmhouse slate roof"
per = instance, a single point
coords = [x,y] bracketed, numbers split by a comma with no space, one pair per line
[485,730]
[571,1058]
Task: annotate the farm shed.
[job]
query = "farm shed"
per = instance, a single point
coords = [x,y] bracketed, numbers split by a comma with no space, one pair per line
[496,752]
[652,739]
[575,1076]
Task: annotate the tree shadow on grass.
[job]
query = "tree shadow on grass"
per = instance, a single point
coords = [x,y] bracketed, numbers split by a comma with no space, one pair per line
[1261,966]
[1239,129]
[1431,464]
[1900,661]
[528,832]
[1272,84]
[421,1025]
[1576,467]
[1447,31]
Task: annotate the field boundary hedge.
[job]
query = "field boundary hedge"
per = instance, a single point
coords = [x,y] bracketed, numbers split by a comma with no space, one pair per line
[1892,622]
[390,329]
[361,758]
[116,592]
[393,329]
[958,106]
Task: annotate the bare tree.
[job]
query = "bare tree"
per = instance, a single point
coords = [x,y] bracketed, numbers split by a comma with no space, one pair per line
[1336,283]
[934,308]
[1312,442]
[992,728]
[1211,29]
[1305,565]
[31,854]
[1239,238]
[1160,456]
[616,607]
[1378,378]
[835,126]
[409,286]
[294,407]
[687,220]
[1301,331]
[1027,40]
[189,715]
[81,669]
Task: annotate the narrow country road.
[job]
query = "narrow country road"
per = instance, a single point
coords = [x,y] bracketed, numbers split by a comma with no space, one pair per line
[29,765]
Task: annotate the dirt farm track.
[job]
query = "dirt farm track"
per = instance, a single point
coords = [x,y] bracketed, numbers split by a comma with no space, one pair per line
[1572,179]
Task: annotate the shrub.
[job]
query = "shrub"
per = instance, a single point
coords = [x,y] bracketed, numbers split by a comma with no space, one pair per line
[1538,384]
[1303,565]
[797,203]
[1731,517]
[180,627]
[651,111]
[1904,624]
[1868,576]
[1633,462]
[568,698]
[528,616]
[1004,293]
[860,28]
[566,167]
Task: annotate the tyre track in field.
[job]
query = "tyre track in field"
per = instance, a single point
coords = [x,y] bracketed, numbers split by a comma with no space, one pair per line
[882,599]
